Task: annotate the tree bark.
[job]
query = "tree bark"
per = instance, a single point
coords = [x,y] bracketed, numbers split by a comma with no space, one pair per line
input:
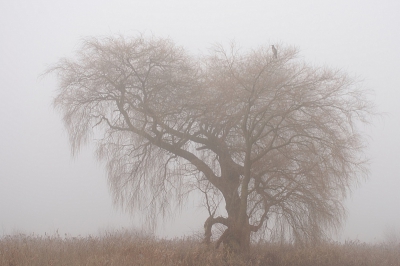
[236,239]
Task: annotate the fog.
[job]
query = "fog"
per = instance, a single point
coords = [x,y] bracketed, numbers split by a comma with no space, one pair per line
[44,190]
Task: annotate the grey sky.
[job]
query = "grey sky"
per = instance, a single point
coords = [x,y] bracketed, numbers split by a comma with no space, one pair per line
[42,189]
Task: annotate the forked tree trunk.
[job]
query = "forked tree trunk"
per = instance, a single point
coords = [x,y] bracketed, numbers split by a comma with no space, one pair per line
[236,237]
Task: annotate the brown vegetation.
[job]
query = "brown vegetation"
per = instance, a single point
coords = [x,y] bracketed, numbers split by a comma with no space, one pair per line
[125,248]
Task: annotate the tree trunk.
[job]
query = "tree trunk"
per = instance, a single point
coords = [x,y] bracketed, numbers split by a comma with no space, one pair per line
[235,239]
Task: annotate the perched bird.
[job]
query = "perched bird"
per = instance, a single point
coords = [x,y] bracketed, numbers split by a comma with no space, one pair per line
[275,52]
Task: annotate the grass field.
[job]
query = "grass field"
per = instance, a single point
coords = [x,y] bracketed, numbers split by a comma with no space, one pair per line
[126,248]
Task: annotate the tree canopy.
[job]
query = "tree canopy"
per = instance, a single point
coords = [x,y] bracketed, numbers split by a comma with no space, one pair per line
[275,139]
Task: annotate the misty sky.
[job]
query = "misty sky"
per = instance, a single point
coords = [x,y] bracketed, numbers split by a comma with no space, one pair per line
[43,189]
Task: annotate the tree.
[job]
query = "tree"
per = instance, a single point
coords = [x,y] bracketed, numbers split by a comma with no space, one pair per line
[275,139]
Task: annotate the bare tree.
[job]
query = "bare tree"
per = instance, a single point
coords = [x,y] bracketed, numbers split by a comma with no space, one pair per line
[275,139]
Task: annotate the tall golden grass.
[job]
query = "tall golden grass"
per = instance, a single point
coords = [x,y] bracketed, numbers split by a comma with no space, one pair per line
[127,248]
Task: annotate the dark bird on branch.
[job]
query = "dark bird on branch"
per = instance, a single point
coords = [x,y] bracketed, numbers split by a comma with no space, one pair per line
[275,52]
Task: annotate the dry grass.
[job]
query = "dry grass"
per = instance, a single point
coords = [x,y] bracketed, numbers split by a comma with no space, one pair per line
[126,248]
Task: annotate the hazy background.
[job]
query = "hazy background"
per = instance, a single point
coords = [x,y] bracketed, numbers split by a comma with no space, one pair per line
[43,190]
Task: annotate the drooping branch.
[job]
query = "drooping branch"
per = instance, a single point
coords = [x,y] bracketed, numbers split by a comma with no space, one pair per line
[209,224]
